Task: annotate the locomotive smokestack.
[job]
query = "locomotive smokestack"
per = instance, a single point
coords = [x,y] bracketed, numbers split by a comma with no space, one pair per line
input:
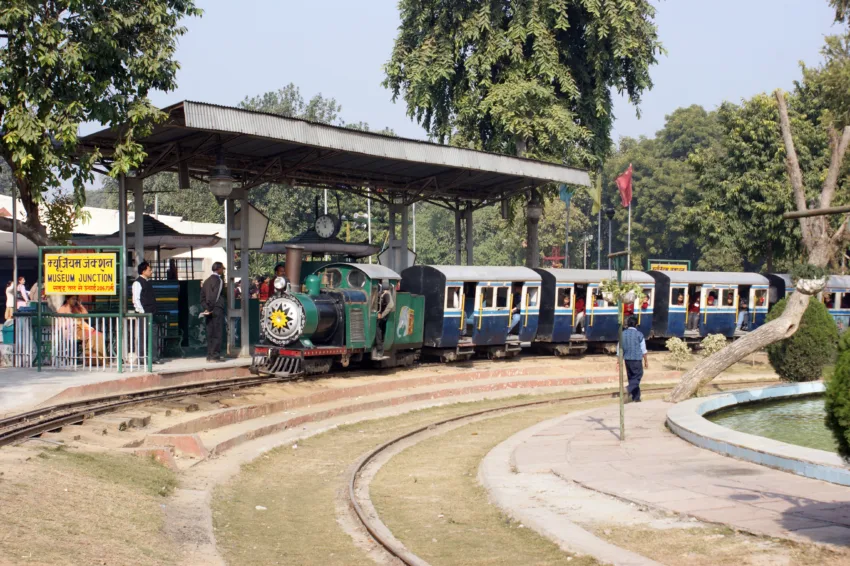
[293,266]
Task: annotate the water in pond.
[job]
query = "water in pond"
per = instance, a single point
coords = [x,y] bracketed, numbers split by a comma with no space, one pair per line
[795,421]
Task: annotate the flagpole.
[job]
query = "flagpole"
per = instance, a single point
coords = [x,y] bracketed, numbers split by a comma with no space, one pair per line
[567,238]
[599,239]
[629,259]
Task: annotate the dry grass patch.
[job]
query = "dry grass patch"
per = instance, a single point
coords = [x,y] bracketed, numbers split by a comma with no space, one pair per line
[717,546]
[63,507]
[429,497]
[300,487]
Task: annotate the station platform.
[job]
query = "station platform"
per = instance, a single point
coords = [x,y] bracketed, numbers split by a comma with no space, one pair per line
[24,389]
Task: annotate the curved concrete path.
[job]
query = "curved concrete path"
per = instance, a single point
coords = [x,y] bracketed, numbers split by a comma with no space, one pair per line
[655,468]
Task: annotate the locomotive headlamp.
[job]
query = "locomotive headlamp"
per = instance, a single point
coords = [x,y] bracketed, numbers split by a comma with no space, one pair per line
[280,283]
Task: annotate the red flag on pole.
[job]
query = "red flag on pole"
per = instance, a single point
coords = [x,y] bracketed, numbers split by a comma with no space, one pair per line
[624,184]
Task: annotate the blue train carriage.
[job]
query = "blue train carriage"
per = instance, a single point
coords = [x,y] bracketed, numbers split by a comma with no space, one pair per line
[336,321]
[694,304]
[475,309]
[573,312]
[836,295]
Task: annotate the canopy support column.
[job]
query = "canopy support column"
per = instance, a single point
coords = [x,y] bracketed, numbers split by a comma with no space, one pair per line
[458,236]
[137,186]
[398,260]
[470,240]
[244,274]
[237,246]
[122,226]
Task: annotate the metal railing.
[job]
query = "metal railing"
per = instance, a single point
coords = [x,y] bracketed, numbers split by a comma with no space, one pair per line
[93,342]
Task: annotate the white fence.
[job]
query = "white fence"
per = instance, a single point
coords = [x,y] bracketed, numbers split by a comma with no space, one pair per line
[94,342]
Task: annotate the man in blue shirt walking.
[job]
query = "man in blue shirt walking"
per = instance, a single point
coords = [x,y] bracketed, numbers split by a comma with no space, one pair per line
[634,352]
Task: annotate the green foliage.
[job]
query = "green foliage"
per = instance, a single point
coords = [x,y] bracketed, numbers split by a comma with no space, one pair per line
[838,398]
[66,62]
[60,216]
[680,352]
[807,271]
[803,356]
[620,289]
[515,77]
[712,344]
[827,85]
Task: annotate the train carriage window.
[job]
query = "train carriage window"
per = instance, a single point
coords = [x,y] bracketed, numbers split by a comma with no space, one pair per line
[452,297]
[829,300]
[596,299]
[845,300]
[333,277]
[646,298]
[502,297]
[564,300]
[712,297]
[727,298]
[356,279]
[678,296]
[486,298]
[533,293]
[760,298]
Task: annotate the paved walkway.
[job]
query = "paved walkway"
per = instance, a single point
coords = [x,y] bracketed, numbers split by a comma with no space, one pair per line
[658,469]
[22,389]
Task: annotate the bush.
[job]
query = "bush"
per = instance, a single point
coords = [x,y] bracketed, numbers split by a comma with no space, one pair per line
[679,351]
[803,356]
[838,398]
[712,344]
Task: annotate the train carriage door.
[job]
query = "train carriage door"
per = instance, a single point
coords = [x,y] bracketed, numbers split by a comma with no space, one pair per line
[528,312]
[709,305]
[469,300]
[484,319]
[758,306]
[678,310]
[644,308]
[453,319]
[565,314]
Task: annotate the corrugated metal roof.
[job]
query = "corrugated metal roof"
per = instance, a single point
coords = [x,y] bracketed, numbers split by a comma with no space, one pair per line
[372,270]
[838,282]
[485,273]
[720,278]
[596,275]
[234,120]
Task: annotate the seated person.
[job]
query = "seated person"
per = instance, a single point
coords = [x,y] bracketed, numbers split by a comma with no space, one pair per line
[566,302]
[515,310]
[730,300]
[680,300]
[712,298]
[628,309]
[92,339]
[644,302]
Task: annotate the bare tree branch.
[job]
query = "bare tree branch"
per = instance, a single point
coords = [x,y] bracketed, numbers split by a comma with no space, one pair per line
[792,164]
[24,229]
[839,148]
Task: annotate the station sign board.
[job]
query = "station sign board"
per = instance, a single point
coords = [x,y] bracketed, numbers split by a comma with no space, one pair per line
[81,274]
[668,265]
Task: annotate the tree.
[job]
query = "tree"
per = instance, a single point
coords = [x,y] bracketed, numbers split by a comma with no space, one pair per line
[821,240]
[803,356]
[837,398]
[532,79]
[66,62]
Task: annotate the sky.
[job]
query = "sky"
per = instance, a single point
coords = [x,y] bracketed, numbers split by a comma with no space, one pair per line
[718,50]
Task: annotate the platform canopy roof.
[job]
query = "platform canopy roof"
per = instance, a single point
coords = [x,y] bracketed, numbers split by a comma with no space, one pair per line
[267,148]
[156,235]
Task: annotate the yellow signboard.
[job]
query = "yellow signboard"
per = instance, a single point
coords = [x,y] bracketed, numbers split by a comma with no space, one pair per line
[668,266]
[80,274]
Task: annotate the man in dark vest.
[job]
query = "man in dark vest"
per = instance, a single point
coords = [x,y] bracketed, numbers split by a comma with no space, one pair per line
[213,303]
[144,301]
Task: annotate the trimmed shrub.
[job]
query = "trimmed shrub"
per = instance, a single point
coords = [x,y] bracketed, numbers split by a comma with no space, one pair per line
[838,398]
[680,352]
[803,356]
[712,344]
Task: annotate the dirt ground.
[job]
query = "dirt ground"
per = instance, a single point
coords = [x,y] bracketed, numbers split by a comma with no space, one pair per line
[300,489]
[67,507]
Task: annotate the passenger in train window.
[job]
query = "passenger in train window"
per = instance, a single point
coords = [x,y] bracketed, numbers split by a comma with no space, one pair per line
[644,302]
[730,299]
[680,300]
[566,302]
[628,309]
[517,303]
[829,300]
[712,298]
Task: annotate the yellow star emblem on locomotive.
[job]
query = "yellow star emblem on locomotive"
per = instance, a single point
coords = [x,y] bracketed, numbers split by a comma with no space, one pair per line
[279,319]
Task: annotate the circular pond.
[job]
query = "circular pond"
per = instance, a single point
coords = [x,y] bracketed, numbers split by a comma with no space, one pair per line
[797,421]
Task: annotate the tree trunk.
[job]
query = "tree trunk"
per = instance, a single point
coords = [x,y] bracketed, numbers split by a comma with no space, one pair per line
[36,236]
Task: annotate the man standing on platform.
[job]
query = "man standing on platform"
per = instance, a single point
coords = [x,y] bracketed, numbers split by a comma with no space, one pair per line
[634,352]
[144,302]
[213,303]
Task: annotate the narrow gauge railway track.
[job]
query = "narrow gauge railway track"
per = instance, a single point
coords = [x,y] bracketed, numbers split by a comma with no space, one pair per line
[382,534]
[32,423]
